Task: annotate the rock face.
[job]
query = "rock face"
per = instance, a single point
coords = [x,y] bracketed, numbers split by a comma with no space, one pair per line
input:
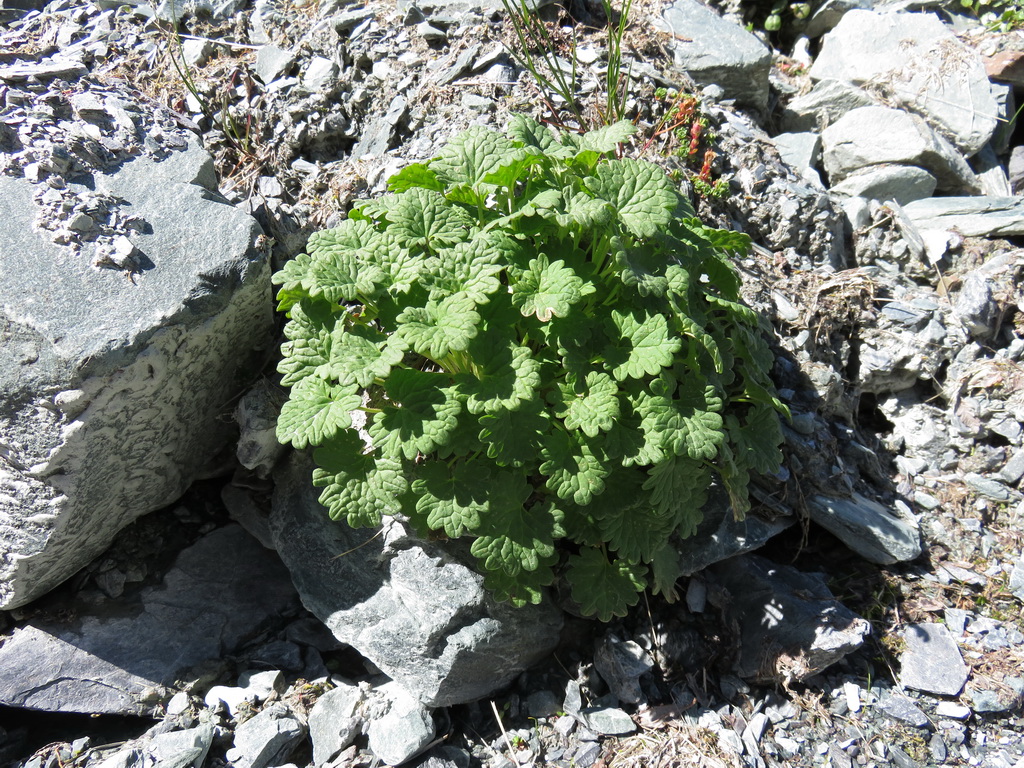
[409,606]
[124,658]
[113,380]
[918,63]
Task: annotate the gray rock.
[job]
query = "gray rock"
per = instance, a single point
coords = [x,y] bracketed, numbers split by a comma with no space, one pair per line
[894,359]
[400,725]
[790,625]
[377,136]
[975,307]
[715,51]
[273,63]
[218,10]
[1016,584]
[901,183]
[112,392]
[1013,470]
[621,665]
[409,606]
[266,739]
[920,65]
[607,721]
[970,216]
[178,749]
[829,13]
[335,721]
[869,136]
[258,448]
[1007,698]
[770,200]
[992,179]
[320,75]
[1015,170]
[721,536]
[800,150]
[902,708]
[221,592]
[868,528]
[821,106]
[445,757]
[197,52]
[992,489]
[932,662]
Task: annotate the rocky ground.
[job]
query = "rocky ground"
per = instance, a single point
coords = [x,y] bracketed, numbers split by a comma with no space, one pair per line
[900,338]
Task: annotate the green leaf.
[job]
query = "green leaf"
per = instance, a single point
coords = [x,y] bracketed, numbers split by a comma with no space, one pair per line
[641,267]
[604,589]
[421,416]
[520,589]
[453,498]
[607,138]
[639,191]
[582,210]
[440,328]
[360,354]
[573,466]
[665,572]
[507,376]
[644,345]
[514,538]
[758,438]
[592,405]
[678,488]
[359,487]
[345,276]
[530,133]
[548,289]
[295,274]
[685,425]
[513,438]
[473,268]
[350,235]
[471,156]
[315,412]
[415,175]
[422,218]
[626,519]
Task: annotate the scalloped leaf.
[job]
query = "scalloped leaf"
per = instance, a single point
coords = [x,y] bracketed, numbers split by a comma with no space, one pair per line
[360,354]
[315,412]
[453,498]
[573,466]
[591,405]
[514,438]
[358,487]
[470,156]
[515,538]
[548,289]
[639,191]
[507,376]
[415,175]
[601,588]
[643,345]
[441,327]
[607,138]
[423,218]
[421,416]
[678,488]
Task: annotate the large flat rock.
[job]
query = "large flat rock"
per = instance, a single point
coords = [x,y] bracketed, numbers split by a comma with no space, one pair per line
[125,657]
[114,384]
[970,216]
[916,61]
[410,606]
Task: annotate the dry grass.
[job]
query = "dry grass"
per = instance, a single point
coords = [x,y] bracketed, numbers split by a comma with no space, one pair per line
[674,744]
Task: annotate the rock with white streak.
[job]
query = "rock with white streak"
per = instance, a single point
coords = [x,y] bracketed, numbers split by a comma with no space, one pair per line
[920,65]
[114,385]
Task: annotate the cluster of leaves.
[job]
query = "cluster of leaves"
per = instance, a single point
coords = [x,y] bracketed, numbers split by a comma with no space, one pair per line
[549,347]
[683,130]
[998,15]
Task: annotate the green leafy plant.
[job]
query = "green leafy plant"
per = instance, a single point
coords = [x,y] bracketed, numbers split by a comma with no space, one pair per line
[998,15]
[551,355]
[538,51]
